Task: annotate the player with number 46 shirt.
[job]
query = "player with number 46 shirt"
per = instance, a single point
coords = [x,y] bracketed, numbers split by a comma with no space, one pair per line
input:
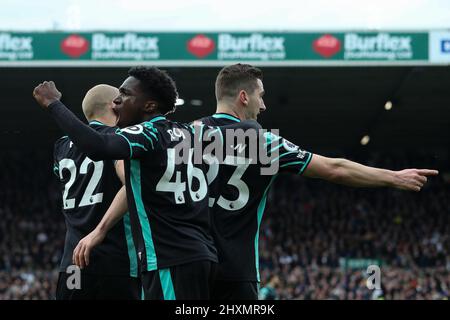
[169,236]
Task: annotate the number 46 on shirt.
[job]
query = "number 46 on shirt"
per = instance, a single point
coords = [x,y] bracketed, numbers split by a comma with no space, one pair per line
[178,187]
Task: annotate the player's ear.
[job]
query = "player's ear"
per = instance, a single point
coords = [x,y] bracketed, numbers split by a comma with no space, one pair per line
[150,106]
[243,97]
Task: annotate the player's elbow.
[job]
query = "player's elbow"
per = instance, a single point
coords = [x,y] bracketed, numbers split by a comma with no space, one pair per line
[336,171]
[329,169]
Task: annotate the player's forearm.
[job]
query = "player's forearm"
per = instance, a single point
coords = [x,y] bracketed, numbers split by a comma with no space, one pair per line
[97,146]
[115,212]
[353,174]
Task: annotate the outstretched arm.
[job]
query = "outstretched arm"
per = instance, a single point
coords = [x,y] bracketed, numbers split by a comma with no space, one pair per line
[96,145]
[346,172]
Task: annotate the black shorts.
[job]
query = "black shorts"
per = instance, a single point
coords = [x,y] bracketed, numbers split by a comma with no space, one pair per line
[190,281]
[235,290]
[98,287]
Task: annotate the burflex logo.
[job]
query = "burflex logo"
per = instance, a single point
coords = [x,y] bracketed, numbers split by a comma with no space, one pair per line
[445,46]
[201,46]
[327,46]
[74,46]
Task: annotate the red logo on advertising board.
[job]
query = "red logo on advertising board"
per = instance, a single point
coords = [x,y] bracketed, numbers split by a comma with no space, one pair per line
[201,46]
[74,46]
[327,46]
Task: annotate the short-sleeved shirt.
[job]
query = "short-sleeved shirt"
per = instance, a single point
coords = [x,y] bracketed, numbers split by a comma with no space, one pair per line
[238,198]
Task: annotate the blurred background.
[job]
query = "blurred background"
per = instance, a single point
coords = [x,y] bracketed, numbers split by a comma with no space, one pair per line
[362,80]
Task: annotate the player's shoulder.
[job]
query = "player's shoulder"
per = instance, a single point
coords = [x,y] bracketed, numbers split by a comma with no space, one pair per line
[137,129]
[147,132]
[243,125]
[154,124]
[60,142]
[61,147]
[249,124]
[208,121]
[61,139]
[220,119]
[169,125]
[156,128]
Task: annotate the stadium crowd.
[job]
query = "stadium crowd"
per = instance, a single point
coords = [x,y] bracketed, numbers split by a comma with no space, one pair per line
[310,229]
[32,228]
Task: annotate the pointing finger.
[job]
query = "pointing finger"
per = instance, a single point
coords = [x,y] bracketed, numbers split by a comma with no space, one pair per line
[427,172]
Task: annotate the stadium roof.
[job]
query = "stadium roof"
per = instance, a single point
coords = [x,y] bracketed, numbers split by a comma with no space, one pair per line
[320,108]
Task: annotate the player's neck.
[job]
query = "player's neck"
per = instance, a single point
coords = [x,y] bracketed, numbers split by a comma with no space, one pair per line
[150,116]
[228,109]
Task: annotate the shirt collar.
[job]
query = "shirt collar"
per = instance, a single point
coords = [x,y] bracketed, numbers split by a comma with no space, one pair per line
[226,116]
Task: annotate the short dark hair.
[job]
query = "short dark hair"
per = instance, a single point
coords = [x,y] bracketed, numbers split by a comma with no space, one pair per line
[158,85]
[236,77]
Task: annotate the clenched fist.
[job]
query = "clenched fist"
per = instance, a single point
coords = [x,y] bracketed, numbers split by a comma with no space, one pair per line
[46,93]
